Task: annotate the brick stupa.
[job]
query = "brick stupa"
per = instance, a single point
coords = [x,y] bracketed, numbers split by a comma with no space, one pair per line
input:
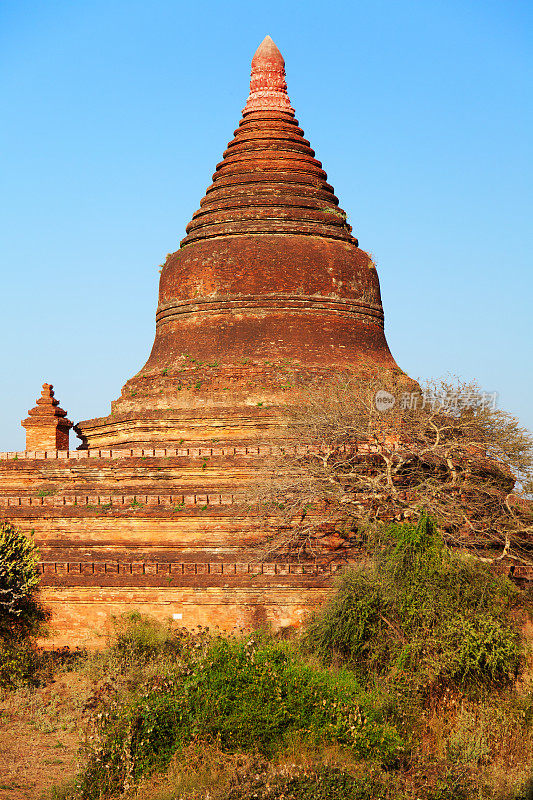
[268,290]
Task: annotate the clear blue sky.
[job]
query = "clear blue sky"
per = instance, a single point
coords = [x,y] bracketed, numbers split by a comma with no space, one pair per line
[115,114]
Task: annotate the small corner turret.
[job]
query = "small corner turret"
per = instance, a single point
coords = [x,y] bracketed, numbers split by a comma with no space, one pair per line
[47,426]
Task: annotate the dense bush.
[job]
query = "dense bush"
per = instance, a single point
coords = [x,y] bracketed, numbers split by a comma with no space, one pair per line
[21,614]
[421,614]
[19,664]
[22,663]
[247,694]
[139,646]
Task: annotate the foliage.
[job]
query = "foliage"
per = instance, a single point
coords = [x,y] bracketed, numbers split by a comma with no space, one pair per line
[141,647]
[402,688]
[138,639]
[441,448]
[202,717]
[19,664]
[321,783]
[421,614]
[252,694]
[21,614]
[22,663]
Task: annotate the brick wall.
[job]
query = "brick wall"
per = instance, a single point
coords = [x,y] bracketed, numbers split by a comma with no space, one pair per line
[83,615]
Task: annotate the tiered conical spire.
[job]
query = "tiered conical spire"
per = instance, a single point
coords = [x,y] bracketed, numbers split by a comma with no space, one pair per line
[269,180]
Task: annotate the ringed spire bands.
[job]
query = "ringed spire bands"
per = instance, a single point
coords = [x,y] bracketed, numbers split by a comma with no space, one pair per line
[269,180]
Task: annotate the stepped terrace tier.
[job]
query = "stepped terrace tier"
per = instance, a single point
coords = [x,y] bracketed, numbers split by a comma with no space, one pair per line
[166,531]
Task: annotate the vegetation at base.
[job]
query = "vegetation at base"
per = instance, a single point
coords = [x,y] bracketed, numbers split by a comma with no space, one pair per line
[251,776]
[22,617]
[412,683]
[422,615]
[250,694]
[21,614]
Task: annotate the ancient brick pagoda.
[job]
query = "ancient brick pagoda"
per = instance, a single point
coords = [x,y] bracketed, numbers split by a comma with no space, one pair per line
[268,289]
[268,282]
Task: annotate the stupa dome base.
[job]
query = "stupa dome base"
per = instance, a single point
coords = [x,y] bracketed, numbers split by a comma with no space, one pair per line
[243,323]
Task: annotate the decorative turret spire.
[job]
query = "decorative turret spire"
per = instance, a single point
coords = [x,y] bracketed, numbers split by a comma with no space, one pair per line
[47,405]
[268,88]
[47,427]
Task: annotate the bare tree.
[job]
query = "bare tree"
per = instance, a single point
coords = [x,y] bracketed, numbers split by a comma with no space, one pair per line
[360,452]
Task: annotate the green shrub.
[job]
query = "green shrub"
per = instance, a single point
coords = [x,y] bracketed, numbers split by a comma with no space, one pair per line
[21,614]
[142,647]
[137,640]
[247,695]
[19,664]
[421,614]
[23,664]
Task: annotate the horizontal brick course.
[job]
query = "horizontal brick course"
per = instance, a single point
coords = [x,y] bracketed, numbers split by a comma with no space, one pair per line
[94,500]
[184,567]
[172,452]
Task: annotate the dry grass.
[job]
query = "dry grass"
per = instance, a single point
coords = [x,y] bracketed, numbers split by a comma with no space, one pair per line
[203,771]
[491,741]
[40,733]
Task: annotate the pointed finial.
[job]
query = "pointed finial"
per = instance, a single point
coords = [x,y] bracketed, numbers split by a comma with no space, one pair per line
[47,405]
[268,53]
[47,391]
[268,88]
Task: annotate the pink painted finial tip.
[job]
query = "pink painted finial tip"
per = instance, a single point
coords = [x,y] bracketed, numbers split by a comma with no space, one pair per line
[267,52]
[268,89]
